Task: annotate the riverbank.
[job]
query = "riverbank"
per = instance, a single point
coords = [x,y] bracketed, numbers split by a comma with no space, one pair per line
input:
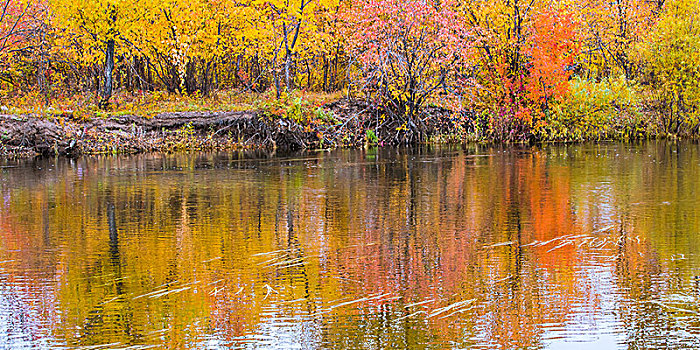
[233,120]
[340,123]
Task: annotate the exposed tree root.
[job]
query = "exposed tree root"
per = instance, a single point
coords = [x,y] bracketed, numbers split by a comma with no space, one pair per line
[64,135]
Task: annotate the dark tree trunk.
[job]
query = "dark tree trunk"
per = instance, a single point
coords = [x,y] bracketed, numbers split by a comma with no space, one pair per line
[149,75]
[235,72]
[325,73]
[206,84]
[308,75]
[109,71]
[275,76]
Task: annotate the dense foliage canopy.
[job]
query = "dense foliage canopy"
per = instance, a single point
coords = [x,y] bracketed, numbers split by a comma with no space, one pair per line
[512,66]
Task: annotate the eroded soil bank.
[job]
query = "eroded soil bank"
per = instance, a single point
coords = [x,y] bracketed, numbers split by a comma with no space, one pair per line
[65,135]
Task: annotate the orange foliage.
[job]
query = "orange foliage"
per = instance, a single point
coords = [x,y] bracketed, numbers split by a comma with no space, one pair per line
[553,47]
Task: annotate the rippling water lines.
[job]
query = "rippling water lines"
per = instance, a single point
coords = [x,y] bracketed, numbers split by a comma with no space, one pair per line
[585,246]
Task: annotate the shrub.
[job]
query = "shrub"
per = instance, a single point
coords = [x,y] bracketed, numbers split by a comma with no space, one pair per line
[407,53]
[670,68]
[594,110]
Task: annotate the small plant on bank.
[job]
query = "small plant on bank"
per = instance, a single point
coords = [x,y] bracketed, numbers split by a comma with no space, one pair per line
[297,109]
[371,137]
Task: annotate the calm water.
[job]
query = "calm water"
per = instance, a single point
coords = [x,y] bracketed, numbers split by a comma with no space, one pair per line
[555,247]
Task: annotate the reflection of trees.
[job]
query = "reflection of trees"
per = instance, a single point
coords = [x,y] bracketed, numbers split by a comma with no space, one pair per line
[111,318]
[436,252]
[655,265]
[359,228]
[268,243]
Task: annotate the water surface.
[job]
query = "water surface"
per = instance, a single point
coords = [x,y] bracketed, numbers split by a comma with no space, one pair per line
[553,247]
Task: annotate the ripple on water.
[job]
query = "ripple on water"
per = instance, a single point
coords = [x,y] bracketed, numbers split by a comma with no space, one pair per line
[555,247]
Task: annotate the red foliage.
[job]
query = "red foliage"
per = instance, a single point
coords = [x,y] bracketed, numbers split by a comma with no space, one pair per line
[407,50]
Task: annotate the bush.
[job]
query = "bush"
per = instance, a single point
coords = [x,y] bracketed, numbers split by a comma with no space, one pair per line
[670,68]
[407,52]
[595,110]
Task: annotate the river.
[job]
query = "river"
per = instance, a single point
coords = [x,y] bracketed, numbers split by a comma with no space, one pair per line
[479,247]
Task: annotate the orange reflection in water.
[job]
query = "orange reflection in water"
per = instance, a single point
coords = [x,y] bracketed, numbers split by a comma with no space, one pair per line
[482,248]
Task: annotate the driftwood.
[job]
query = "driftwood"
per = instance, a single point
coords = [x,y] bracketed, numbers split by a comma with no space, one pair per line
[354,122]
[24,135]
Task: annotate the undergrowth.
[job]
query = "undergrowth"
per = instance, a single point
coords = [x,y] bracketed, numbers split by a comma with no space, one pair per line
[150,103]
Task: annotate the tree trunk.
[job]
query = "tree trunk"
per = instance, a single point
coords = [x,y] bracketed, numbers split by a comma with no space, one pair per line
[275,76]
[149,75]
[206,84]
[109,70]
[287,69]
[325,73]
[235,72]
[308,75]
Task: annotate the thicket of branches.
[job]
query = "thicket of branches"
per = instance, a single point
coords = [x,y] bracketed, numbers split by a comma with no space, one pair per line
[513,67]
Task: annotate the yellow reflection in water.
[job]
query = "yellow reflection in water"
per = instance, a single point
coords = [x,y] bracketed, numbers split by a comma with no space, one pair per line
[484,248]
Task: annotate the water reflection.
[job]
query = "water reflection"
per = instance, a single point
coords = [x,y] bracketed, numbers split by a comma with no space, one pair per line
[476,247]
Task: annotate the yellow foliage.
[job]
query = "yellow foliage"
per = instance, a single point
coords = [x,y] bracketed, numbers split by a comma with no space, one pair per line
[670,59]
[88,25]
[593,110]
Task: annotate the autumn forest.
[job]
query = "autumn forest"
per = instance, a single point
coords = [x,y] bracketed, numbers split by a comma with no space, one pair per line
[349,174]
[498,70]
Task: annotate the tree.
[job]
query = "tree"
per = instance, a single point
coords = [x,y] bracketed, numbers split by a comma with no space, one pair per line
[609,30]
[526,54]
[176,34]
[97,27]
[20,22]
[552,47]
[407,52]
[291,24]
[12,15]
[670,61]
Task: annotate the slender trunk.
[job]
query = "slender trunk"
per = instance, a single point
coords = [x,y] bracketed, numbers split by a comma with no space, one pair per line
[206,86]
[43,63]
[289,49]
[287,69]
[235,72]
[216,76]
[134,73]
[308,75]
[109,70]
[149,76]
[325,73]
[95,73]
[275,76]
[334,72]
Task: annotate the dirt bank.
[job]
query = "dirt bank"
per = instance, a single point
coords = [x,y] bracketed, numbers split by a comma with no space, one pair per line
[27,135]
